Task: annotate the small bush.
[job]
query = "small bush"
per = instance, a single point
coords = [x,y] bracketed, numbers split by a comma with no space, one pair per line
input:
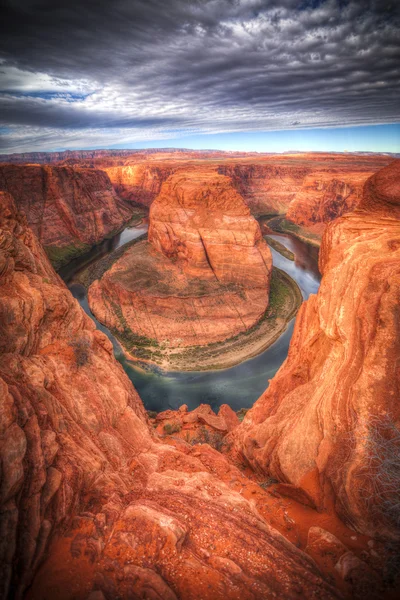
[215,439]
[268,482]
[81,348]
[382,444]
[170,428]
[242,413]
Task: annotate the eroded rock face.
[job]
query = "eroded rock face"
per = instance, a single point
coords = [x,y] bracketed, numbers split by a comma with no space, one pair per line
[266,188]
[323,197]
[84,475]
[68,208]
[204,275]
[200,220]
[310,191]
[329,422]
[139,183]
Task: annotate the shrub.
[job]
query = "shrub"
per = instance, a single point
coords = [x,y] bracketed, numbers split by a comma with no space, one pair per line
[242,413]
[170,428]
[382,444]
[81,348]
[268,482]
[215,439]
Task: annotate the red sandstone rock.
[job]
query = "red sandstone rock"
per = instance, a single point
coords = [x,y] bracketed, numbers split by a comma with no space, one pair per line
[328,422]
[65,206]
[229,416]
[325,196]
[203,278]
[312,188]
[140,182]
[84,475]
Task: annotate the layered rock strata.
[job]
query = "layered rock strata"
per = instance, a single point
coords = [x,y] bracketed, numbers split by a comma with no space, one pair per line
[323,197]
[329,421]
[139,183]
[202,277]
[69,209]
[93,505]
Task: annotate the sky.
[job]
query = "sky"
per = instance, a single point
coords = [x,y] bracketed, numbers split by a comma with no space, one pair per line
[263,75]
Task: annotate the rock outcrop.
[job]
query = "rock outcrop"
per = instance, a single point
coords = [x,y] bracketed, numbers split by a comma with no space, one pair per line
[69,209]
[266,188]
[139,183]
[329,421]
[203,276]
[84,475]
[324,197]
[310,189]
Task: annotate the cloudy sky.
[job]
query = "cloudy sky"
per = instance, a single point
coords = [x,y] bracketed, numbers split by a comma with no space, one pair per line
[131,73]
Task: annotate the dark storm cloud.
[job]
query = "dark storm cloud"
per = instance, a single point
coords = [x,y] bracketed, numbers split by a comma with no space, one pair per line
[146,66]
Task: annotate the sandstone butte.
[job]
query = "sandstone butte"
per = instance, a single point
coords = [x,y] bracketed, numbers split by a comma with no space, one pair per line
[94,504]
[203,276]
[69,209]
[329,422]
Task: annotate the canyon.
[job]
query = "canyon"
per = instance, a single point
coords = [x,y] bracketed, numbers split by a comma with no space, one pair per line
[92,501]
[202,277]
[70,209]
[311,189]
[101,499]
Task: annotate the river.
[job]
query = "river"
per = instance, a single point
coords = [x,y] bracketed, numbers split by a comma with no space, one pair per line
[238,386]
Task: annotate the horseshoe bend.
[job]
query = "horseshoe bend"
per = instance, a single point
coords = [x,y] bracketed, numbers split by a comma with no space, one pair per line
[202,279]
[102,499]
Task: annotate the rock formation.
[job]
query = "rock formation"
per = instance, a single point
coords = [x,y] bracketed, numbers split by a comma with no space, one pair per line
[324,197]
[311,189]
[139,183]
[69,209]
[84,475]
[266,188]
[204,275]
[329,421]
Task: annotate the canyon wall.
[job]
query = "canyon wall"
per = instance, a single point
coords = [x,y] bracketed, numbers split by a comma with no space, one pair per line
[323,197]
[329,421]
[266,188]
[69,209]
[93,505]
[203,276]
[312,189]
[139,183]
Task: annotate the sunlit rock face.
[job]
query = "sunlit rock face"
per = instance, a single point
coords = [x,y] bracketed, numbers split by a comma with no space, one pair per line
[139,183]
[204,274]
[93,504]
[329,421]
[200,220]
[68,208]
[267,188]
[311,189]
[323,197]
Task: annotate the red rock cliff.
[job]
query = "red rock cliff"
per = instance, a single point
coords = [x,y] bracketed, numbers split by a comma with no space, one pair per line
[69,209]
[329,421]
[323,197]
[83,475]
[140,182]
